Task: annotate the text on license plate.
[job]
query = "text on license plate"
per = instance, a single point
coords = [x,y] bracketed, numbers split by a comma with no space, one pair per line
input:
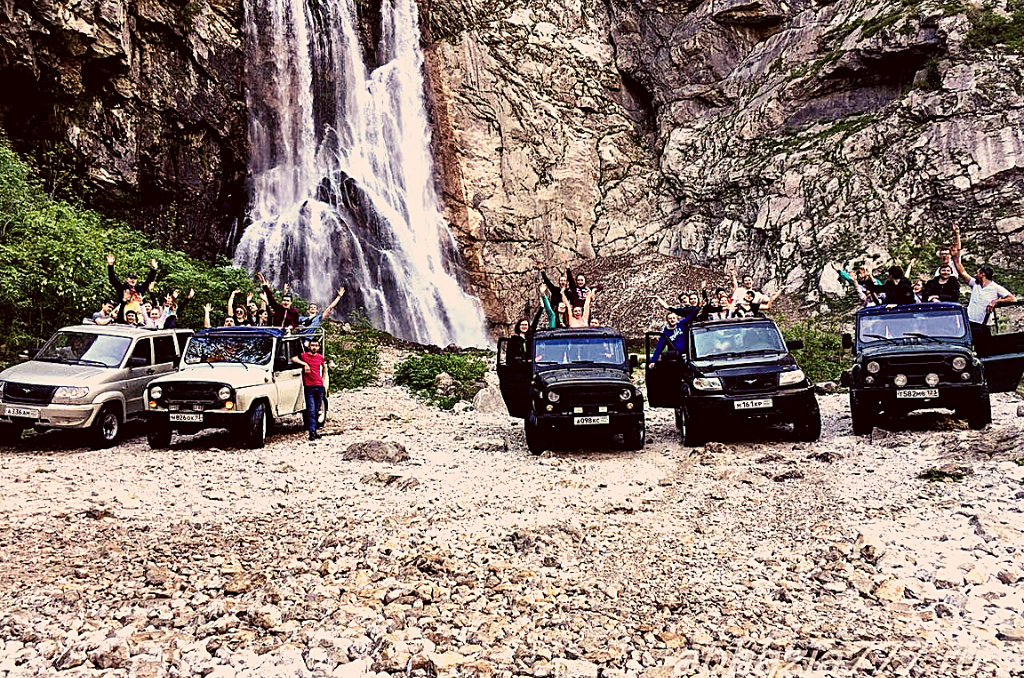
[590,421]
[186,416]
[758,404]
[29,412]
[918,393]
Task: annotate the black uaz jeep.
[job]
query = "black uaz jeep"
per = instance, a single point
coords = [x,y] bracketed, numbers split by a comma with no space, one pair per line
[570,382]
[732,373]
[922,356]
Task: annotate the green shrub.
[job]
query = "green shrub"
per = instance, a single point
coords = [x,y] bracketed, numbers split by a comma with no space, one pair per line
[353,358]
[420,370]
[822,357]
[990,28]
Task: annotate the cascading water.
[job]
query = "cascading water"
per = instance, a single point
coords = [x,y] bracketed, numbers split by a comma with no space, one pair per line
[342,177]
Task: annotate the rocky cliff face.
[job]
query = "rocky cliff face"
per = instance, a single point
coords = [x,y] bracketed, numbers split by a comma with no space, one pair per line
[787,138]
[143,100]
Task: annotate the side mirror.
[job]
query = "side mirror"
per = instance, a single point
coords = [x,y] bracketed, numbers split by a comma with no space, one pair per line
[794,344]
[29,353]
[634,361]
[135,361]
[847,340]
[844,379]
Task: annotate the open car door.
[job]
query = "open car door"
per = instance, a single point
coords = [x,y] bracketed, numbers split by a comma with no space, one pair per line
[1002,353]
[664,376]
[514,375]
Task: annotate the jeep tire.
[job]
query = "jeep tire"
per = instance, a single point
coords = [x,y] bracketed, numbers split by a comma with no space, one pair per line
[533,437]
[863,417]
[158,434]
[808,428]
[979,415]
[634,438]
[255,433]
[692,432]
[106,429]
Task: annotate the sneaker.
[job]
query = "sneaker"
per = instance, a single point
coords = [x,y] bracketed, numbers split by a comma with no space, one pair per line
[313,435]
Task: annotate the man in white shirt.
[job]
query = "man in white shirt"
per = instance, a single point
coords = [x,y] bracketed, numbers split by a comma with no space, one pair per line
[986,294]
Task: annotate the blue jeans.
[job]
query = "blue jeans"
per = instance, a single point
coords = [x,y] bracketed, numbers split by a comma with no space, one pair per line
[314,400]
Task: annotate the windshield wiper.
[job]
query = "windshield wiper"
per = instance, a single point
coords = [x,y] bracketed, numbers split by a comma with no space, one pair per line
[87,361]
[922,336]
[727,354]
[879,336]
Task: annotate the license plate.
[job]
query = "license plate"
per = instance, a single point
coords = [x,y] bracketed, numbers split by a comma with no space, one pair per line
[590,421]
[185,416]
[758,404]
[917,393]
[28,412]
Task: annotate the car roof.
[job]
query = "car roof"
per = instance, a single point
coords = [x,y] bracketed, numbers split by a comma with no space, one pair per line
[120,330]
[579,333]
[905,308]
[241,331]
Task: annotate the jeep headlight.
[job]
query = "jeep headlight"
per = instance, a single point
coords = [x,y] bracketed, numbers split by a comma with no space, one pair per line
[224,393]
[900,380]
[155,392]
[931,379]
[1,390]
[791,377]
[707,384]
[553,396]
[625,394]
[959,363]
[873,367]
[71,392]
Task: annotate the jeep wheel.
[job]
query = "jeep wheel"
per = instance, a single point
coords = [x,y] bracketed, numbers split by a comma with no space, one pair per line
[980,414]
[692,432]
[106,429]
[808,428]
[533,438]
[158,435]
[679,418]
[635,438]
[863,417]
[256,433]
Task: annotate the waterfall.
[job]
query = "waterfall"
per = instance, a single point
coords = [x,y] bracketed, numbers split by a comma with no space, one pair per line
[342,177]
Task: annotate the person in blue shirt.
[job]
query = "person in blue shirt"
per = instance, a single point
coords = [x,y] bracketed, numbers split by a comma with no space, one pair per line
[314,316]
[675,330]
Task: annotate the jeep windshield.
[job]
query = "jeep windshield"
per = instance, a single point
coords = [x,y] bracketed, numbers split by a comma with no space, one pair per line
[921,325]
[74,348]
[572,350]
[725,341]
[227,349]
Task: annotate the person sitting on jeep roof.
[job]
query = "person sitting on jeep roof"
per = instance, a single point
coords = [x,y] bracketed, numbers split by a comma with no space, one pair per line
[130,291]
[315,315]
[897,289]
[943,287]
[580,316]
[105,315]
[283,313]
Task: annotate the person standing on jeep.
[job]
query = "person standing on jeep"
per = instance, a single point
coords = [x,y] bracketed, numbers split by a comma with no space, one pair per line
[986,294]
[283,315]
[135,292]
[315,315]
[312,362]
[943,287]
[897,289]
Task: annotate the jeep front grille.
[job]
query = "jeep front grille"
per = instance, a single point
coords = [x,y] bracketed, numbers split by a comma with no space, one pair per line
[752,383]
[191,392]
[28,394]
[582,395]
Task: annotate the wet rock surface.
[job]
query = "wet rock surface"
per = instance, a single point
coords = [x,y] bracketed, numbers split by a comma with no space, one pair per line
[477,558]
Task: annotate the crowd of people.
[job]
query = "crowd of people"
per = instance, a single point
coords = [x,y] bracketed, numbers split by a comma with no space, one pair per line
[570,303]
[136,304]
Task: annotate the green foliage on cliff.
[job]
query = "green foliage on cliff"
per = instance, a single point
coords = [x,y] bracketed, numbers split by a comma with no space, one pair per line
[990,28]
[353,358]
[53,267]
[822,357]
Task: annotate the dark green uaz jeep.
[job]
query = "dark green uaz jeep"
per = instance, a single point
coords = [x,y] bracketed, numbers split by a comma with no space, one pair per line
[920,356]
[570,385]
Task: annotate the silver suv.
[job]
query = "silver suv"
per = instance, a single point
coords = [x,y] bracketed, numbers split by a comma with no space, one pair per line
[238,378]
[88,377]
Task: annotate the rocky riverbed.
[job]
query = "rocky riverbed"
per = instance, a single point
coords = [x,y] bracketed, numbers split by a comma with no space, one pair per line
[472,557]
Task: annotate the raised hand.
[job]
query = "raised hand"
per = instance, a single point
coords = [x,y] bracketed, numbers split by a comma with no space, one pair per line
[152,264]
[110,259]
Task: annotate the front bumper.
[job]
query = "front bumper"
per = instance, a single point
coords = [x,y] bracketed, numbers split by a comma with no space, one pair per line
[610,422]
[772,407]
[950,396]
[51,416]
[196,420]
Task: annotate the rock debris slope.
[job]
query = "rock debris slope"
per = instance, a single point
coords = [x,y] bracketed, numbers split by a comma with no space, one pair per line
[474,558]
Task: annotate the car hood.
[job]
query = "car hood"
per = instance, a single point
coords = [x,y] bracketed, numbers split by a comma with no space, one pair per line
[236,375]
[746,364]
[889,350]
[561,376]
[59,374]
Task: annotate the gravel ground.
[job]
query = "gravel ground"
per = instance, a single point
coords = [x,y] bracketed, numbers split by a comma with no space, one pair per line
[759,558]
